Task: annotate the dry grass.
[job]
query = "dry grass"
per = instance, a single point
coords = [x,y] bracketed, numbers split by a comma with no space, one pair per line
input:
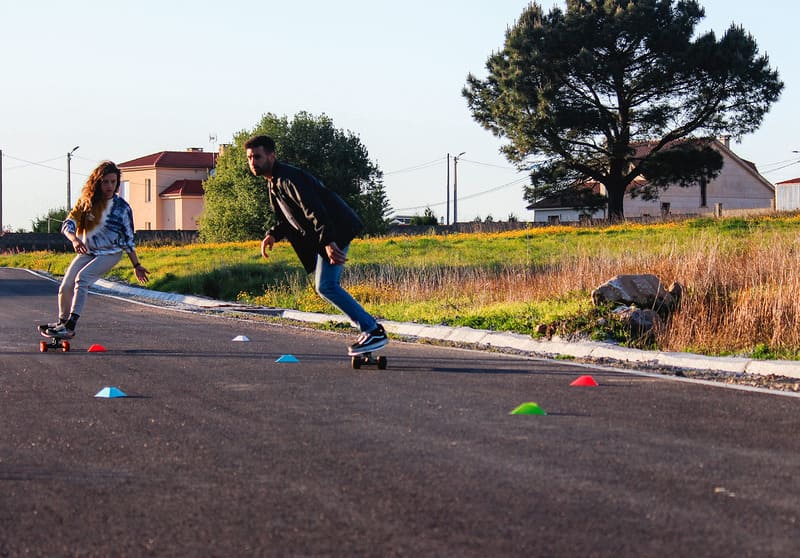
[739,298]
[741,292]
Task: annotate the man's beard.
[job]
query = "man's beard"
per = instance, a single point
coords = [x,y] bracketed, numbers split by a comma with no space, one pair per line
[262,170]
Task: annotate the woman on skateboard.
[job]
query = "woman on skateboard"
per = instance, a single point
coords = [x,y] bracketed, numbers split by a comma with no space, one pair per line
[319,225]
[100,228]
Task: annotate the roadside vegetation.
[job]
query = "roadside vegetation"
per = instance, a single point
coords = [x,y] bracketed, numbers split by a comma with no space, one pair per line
[741,279]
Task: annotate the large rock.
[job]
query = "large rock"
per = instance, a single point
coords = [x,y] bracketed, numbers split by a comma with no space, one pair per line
[640,322]
[642,291]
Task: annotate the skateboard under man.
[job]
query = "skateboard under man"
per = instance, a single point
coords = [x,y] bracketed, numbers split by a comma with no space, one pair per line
[57,342]
[367,359]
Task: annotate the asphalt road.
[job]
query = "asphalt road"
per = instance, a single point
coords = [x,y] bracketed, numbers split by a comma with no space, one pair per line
[221,451]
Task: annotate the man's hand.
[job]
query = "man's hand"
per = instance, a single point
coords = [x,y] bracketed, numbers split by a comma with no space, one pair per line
[335,254]
[267,244]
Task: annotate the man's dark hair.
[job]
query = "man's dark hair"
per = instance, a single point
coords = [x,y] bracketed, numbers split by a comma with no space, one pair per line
[261,141]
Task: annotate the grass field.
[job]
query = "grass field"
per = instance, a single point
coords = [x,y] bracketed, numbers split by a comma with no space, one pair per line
[741,279]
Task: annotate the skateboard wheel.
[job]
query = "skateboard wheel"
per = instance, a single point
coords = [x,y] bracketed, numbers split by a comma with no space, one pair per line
[382,362]
[42,346]
[65,346]
[356,362]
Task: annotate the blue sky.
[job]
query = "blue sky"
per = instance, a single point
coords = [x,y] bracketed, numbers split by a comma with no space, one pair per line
[126,79]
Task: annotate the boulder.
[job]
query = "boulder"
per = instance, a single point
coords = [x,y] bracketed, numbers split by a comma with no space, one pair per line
[640,322]
[642,291]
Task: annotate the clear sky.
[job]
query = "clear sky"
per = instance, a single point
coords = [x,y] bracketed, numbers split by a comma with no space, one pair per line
[124,79]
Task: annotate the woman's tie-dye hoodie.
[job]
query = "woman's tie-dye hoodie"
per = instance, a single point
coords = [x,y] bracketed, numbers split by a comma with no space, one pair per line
[106,229]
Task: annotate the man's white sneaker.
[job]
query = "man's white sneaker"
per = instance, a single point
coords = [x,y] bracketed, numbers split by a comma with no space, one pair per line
[369,341]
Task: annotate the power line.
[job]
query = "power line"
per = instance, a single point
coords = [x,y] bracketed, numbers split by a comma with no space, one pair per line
[469,197]
[495,189]
[416,167]
[33,163]
[780,168]
[489,165]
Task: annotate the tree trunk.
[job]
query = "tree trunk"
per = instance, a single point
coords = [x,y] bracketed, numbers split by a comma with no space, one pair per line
[616,196]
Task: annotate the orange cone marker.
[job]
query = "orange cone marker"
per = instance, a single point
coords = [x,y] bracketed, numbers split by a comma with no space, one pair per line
[96,349]
[585,381]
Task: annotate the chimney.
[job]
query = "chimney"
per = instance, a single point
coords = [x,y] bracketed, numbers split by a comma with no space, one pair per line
[223,147]
[726,141]
[194,149]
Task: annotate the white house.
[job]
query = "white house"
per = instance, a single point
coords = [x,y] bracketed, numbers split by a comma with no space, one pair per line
[738,187]
[787,195]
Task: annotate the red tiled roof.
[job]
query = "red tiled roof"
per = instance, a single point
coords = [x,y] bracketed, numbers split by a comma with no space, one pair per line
[184,188]
[174,160]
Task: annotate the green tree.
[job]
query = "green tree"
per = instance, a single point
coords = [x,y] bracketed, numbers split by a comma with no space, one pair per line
[428,218]
[574,91]
[236,203]
[51,222]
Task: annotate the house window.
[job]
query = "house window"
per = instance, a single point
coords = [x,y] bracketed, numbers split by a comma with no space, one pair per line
[553,219]
[147,191]
[665,209]
[124,190]
[147,226]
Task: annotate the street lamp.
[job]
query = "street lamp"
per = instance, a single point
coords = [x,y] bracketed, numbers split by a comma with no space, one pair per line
[69,185]
[455,187]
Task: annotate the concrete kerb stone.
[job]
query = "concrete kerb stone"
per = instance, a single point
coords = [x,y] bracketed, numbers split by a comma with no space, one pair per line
[788,368]
[622,354]
[515,341]
[119,288]
[311,317]
[732,365]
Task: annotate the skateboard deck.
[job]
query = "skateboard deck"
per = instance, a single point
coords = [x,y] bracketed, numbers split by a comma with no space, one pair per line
[56,342]
[368,359]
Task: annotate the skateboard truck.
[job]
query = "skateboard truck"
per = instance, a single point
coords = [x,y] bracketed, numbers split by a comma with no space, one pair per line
[367,359]
[55,343]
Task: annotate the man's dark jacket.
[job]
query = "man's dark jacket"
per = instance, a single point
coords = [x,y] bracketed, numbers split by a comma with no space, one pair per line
[309,215]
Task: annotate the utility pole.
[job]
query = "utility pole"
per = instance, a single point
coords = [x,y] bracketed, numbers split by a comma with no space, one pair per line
[447,220]
[455,187]
[69,185]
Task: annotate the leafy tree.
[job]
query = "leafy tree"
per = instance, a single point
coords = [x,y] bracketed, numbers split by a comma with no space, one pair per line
[426,219]
[576,90]
[236,203]
[50,222]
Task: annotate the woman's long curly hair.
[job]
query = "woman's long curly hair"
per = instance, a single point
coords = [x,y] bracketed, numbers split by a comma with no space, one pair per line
[91,192]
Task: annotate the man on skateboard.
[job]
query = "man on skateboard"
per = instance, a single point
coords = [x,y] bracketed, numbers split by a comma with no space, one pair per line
[319,225]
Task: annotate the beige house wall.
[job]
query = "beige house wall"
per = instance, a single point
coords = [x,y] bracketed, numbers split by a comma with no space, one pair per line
[157,213]
[192,209]
[736,187]
[145,213]
[181,214]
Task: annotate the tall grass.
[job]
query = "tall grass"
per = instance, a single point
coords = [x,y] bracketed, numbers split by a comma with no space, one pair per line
[741,278]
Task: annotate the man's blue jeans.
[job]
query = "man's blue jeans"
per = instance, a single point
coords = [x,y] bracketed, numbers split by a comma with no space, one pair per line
[326,282]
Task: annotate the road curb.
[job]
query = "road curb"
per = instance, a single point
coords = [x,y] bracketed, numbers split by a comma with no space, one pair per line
[490,339]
